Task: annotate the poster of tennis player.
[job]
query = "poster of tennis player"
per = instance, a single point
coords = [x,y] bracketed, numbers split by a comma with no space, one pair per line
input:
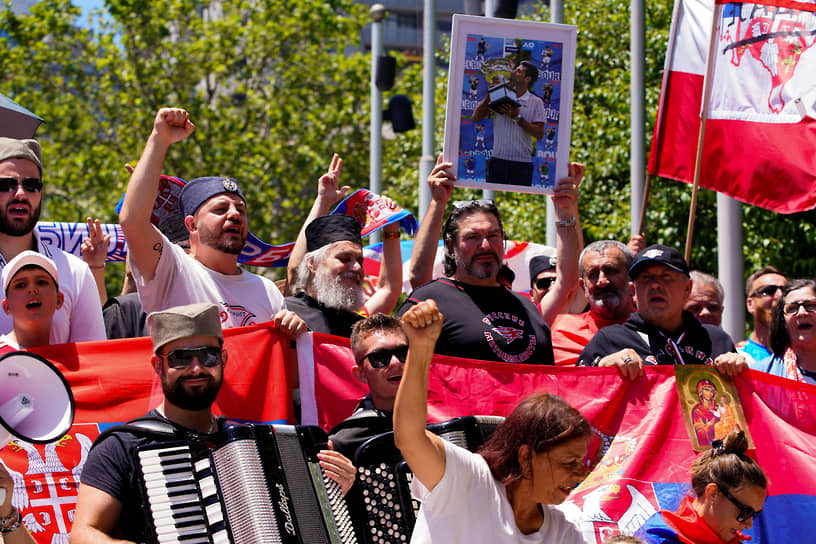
[509,106]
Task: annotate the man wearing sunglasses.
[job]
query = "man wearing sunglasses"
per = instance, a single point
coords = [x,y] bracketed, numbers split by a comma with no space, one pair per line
[21,191]
[762,289]
[604,277]
[542,276]
[215,213]
[661,332]
[380,347]
[189,360]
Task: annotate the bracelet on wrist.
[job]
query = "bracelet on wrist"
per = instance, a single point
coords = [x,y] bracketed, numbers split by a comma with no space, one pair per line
[566,222]
[97,266]
[6,523]
[391,235]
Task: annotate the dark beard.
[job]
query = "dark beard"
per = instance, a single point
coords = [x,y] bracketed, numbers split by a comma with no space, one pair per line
[231,246]
[180,397]
[15,228]
[479,271]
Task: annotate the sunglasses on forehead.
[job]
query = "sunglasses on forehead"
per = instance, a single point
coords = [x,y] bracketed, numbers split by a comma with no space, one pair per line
[30,185]
[745,512]
[208,356]
[458,204]
[382,357]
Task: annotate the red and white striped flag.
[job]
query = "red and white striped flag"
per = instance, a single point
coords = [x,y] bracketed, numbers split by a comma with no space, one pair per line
[760,130]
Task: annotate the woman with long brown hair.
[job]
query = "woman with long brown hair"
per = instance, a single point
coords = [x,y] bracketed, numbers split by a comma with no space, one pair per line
[505,492]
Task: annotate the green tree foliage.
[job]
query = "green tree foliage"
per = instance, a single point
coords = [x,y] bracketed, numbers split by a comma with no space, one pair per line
[600,139]
[273,93]
[267,83]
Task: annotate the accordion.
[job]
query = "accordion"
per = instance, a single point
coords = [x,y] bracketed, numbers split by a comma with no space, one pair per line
[247,484]
[381,503]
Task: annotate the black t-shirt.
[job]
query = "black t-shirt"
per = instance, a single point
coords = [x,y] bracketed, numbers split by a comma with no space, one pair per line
[366,422]
[112,467]
[320,318]
[698,344]
[124,317]
[486,323]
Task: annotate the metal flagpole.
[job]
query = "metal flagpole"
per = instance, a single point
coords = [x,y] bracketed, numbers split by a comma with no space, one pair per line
[490,11]
[731,264]
[426,163]
[637,144]
[556,16]
[377,13]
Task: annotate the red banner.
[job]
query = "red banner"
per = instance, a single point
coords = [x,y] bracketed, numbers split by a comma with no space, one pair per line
[642,447]
[112,382]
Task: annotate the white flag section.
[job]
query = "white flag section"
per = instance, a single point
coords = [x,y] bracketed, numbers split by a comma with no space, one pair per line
[760,129]
[765,64]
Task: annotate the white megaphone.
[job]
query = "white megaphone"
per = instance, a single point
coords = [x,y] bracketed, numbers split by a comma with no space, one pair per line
[36,404]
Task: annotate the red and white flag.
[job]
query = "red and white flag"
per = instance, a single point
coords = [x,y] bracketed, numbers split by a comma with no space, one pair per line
[761,122]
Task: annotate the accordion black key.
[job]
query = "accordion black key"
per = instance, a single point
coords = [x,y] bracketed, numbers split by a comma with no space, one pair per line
[381,503]
[248,484]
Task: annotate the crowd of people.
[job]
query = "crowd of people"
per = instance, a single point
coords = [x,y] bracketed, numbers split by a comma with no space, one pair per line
[636,306]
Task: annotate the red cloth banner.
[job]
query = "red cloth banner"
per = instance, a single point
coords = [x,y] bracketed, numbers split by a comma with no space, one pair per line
[112,382]
[641,447]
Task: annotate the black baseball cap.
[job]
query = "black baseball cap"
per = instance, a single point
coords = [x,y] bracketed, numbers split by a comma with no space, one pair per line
[657,253]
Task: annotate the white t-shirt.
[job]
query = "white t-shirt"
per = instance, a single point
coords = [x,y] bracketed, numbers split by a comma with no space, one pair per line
[469,506]
[80,318]
[245,298]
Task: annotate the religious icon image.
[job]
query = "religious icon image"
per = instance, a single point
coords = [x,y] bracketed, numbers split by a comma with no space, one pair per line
[710,405]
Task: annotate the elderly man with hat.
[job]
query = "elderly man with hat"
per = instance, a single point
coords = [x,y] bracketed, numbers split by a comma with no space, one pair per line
[21,191]
[215,213]
[189,360]
[329,281]
[661,332]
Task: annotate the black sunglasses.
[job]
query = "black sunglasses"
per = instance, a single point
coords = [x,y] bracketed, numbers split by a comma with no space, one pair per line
[544,283]
[745,512]
[30,185]
[208,356]
[382,358]
[767,291]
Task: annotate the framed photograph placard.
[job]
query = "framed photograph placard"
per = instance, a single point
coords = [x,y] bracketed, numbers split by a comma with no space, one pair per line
[509,107]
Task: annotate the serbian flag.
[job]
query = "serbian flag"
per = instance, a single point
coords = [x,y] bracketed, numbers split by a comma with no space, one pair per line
[112,382]
[760,128]
[370,209]
[642,446]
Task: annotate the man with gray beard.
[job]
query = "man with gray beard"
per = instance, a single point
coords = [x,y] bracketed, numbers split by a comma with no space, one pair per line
[329,282]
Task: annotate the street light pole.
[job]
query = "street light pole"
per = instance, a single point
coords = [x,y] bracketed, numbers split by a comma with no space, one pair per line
[377,13]
[556,16]
[427,161]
